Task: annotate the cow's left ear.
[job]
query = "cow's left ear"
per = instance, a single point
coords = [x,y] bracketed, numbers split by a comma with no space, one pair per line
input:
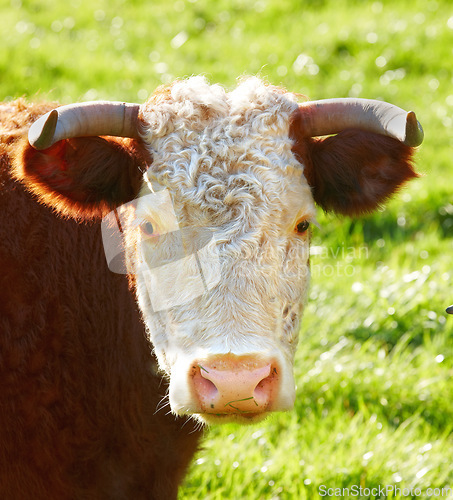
[355,171]
[82,177]
[84,159]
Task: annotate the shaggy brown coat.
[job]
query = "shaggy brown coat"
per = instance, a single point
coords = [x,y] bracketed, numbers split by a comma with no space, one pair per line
[78,384]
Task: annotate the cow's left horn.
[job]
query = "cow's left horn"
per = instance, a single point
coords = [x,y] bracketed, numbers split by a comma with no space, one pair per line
[85,119]
[331,116]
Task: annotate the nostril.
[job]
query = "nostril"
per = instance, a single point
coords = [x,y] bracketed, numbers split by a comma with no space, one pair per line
[202,385]
[263,391]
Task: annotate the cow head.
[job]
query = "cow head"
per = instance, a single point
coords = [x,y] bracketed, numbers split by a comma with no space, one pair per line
[217,239]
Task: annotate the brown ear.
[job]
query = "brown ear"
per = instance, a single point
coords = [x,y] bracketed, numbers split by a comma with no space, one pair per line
[355,171]
[84,177]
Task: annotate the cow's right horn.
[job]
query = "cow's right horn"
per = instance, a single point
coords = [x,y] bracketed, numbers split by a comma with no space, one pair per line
[85,119]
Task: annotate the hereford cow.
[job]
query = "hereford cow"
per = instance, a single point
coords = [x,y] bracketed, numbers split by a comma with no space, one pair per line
[207,198]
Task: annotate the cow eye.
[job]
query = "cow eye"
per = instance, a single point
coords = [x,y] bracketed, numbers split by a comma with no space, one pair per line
[147,228]
[302,226]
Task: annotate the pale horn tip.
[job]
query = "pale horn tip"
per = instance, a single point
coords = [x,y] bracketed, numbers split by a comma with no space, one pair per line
[414,131]
[41,133]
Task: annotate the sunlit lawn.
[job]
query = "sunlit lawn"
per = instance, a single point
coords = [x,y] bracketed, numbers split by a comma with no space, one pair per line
[375,397]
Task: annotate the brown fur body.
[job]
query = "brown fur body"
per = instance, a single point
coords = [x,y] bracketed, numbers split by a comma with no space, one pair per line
[78,386]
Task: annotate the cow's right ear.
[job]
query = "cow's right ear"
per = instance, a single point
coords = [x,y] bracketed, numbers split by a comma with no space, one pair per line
[83,177]
[355,172]
[356,152]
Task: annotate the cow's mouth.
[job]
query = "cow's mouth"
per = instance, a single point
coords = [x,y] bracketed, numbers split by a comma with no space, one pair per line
[227,418]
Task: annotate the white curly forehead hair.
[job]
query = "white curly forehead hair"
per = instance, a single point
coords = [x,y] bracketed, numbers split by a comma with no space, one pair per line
[226,159]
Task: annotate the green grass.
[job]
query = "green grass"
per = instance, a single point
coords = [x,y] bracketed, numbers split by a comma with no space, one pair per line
[374,367]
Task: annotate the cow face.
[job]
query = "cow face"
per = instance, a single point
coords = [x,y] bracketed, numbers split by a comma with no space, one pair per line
[218,243]
[217,239]
[229,168]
